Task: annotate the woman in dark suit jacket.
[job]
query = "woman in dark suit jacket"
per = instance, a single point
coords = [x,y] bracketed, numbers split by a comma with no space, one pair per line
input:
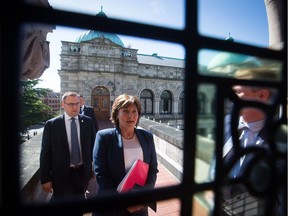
[117,148]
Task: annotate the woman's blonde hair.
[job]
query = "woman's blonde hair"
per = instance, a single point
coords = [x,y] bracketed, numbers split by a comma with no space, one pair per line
[123,101]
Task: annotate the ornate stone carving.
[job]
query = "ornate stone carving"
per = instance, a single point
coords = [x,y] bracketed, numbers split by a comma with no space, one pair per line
[35,53]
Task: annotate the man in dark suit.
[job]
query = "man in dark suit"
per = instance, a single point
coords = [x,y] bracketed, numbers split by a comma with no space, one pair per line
[88,111]
[59,174]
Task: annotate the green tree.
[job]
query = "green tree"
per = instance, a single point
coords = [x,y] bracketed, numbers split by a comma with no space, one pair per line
[33,110]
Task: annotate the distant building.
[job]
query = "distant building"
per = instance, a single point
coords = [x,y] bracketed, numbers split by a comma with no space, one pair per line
[53,100]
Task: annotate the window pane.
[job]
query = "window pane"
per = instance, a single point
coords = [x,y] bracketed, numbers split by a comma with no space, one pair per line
[146,98]
[101,66]
[181,103]
[245,21]
[203,203]
[166,102]
[206,123]
[225,64]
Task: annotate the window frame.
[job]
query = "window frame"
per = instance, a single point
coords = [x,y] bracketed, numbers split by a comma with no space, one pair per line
[18,12]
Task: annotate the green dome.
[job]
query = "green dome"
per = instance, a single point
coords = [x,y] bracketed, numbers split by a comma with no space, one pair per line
[226,62]
[92,34]
[226,58]
[101,14]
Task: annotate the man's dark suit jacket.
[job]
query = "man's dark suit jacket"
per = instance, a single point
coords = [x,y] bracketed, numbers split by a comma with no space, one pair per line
[55,154]
[89,111]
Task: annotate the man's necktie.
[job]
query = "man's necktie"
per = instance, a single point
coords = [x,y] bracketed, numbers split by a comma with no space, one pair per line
[75,151]
[247,140]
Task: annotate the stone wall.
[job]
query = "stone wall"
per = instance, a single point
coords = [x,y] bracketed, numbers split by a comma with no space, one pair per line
[169,147]
[30,186]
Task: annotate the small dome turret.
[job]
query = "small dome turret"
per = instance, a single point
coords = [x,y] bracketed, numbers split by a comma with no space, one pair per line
[92,34]
[228,62]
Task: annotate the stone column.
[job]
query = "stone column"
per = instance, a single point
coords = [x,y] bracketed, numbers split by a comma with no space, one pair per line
[274,9]
[175,106]
[156,106]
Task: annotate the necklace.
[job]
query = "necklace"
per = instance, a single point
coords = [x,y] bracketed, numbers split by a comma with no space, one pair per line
[129,137]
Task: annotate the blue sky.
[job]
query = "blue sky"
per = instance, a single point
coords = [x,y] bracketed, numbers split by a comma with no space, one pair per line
[245,20]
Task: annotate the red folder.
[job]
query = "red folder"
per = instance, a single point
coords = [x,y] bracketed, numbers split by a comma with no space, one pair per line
[137,174]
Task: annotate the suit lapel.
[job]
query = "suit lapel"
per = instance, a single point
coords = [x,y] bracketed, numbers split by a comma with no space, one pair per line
[63,129]
[118,146]
[82,128]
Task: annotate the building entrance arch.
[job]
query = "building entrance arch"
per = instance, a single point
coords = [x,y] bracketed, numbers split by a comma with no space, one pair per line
[100,100]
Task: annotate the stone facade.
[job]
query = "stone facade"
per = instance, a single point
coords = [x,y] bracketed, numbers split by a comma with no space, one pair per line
[100,64]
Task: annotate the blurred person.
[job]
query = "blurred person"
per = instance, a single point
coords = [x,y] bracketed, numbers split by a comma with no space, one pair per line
[253,132]
[116,149]
[88,111]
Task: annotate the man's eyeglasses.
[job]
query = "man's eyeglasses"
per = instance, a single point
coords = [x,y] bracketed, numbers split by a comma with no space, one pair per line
[72,104]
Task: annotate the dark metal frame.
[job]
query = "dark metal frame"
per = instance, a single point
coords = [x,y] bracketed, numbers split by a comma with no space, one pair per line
[15,13]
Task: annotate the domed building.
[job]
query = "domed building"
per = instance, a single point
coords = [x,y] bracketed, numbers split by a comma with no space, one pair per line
[226,63]
[100,67]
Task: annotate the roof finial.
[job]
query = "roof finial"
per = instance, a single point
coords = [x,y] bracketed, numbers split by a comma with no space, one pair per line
[229,38]
[101,13]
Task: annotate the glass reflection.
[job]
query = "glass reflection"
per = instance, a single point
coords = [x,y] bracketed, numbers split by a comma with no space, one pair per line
[205,142]
[225,64]
[242,204]
[249,157]
[281,139]
[203,203]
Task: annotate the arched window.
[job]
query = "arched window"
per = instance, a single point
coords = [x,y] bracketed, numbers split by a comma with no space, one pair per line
[166,102]
[181,103]
[146,99]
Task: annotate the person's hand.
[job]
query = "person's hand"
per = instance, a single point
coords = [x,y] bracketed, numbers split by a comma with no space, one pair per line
[48,187]
[132,209]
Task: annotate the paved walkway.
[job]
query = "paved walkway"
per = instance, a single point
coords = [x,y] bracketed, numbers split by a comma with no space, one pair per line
[164,208]
[167,207]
